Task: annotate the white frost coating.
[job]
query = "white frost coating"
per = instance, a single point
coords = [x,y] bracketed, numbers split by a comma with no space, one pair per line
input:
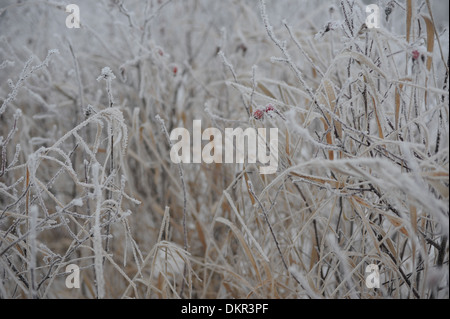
[305,134]
[27,71]
[34,210]
[363,152]
[5,63]
[107,74]
[98,248]
[77,202]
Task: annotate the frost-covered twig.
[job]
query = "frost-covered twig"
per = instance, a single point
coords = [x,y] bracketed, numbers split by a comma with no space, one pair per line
[287,58]
[27,71]
[183,186]
[228,65]
[108,76]
[32,238]
[98,248]
[77,73]
[266,218]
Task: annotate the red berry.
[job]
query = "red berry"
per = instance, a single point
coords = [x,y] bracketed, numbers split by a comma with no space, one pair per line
[269,108]
[415,54]
[175,70]
[258,114]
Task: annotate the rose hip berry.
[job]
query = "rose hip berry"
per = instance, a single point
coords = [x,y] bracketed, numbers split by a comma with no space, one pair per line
[269,108]
[258,114]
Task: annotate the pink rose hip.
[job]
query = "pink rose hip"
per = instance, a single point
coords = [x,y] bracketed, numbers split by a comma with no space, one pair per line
[258,114]
[270,108]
